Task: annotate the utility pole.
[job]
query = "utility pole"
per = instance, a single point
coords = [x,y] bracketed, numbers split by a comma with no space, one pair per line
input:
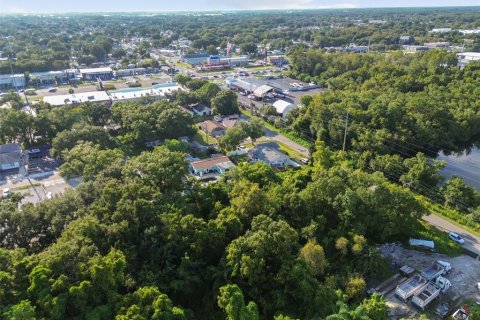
[345,134]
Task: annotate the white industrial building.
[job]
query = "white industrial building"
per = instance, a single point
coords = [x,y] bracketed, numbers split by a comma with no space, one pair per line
[465,58]
[77,98]
[283,107]
[155,92]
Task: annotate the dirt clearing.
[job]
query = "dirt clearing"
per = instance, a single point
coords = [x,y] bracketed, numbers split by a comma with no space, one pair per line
[464,276]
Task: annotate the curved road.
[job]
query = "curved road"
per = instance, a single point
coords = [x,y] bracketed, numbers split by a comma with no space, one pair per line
[472,242]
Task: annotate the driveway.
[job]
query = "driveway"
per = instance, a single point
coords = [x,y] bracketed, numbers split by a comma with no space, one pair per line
[472,242]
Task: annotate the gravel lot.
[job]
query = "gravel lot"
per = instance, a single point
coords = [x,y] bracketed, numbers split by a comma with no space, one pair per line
[464,276]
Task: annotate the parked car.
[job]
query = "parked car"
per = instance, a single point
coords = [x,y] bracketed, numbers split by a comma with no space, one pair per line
[455,237]
[5,192]
[154,83]
[49,195]
[304,160]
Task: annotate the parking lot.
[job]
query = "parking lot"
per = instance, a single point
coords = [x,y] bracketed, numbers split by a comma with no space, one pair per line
[43,180]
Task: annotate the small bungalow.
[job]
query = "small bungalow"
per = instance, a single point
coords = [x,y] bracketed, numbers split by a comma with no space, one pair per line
[213,128]
[10,156]
[198,109]
[268,155]
[219,164]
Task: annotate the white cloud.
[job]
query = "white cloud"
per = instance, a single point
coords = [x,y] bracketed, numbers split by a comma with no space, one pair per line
[278,4]
[13,9]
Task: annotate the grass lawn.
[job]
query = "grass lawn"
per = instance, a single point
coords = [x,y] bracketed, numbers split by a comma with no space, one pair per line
[287,134]
[442,243]
[201,137]
[239,159]
[451,216]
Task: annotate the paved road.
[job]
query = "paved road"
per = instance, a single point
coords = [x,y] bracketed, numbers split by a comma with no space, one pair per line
[271,135]
[472,242]
[37,186]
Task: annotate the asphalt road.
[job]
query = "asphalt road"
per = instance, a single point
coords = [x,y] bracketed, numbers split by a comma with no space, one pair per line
[472,242]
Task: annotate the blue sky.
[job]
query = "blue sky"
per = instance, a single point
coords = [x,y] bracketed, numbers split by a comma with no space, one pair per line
[46,6]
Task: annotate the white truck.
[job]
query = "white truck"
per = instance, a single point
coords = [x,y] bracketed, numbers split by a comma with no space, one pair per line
[430,292]
[438,268]
[410,287]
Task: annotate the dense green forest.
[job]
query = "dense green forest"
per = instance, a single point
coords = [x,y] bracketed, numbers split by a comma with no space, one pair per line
[402,109]
[140,238]
[47,42]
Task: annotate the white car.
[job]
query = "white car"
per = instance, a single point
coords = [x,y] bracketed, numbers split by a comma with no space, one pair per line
[455,237]
[5,192]
[49,195]
[52,89]
[304,160]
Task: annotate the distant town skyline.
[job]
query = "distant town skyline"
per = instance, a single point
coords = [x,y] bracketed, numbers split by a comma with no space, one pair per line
[34,6]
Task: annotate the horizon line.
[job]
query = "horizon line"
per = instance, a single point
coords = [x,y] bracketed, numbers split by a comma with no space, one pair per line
[236,10]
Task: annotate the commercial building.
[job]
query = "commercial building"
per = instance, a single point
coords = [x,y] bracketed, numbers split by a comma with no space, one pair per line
[277,60]
[465,58]
[48,78]
[157,91]
[234,62]
[437,45]
[94,74]
[413,49]
[8,82]
[77,98]
[441,30]
[130,72]
[262,91]
[10,156]
[195,59]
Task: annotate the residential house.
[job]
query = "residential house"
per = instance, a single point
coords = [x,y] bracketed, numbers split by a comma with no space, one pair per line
[198,109]
[230,121]
[218,164]
[10,156]
[213,128]
[269,155]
